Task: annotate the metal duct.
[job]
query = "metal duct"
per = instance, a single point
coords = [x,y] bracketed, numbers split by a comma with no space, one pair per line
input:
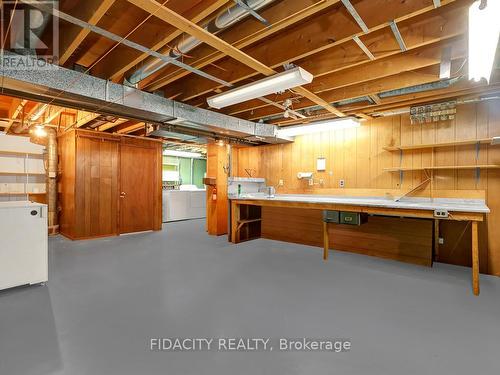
[187,42]
[420,88]
[68,88]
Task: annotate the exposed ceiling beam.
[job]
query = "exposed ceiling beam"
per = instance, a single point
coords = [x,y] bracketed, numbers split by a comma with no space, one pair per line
[119,62]
[319,60]
[15,109]
[165,14]
[415,59]
[89,10]
[111,125]
[121,40]
[282,15]
[397,81]
[130,128]
[84,117]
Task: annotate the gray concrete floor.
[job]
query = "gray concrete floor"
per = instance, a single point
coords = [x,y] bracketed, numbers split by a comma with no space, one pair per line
[106,298]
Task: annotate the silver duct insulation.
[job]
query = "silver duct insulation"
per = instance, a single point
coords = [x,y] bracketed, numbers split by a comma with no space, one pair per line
[187,42]
[68,88]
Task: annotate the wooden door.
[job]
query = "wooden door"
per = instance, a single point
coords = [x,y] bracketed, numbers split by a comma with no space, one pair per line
[96,187]
[138,188]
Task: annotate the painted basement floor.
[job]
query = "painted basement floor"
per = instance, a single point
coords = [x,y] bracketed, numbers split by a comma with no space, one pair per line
[106,298]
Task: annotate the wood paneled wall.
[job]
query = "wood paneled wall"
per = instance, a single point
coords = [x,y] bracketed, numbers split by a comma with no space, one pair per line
[357,157]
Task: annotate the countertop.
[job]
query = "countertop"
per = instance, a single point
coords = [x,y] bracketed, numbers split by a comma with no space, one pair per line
[450,204]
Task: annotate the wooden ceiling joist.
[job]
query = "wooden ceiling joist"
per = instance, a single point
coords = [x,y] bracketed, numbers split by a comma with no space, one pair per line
[282,15]
[117,63]
[91,11]
[187,26]
[14,111]
[418,31]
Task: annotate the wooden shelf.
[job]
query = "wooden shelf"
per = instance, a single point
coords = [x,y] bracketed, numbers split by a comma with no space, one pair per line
[21,174]
[435,145]
[19,193]
[444,167]
[17,153]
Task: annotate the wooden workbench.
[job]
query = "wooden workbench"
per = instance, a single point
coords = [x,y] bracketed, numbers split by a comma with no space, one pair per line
[245,213]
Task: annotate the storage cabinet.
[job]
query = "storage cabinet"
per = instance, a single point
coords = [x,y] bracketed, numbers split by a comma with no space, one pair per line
[109,184]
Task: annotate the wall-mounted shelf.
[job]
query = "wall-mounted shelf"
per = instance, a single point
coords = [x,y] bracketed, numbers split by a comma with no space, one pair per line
[11,194]
[443,167]
[21,173]
[444,144]
[18,153]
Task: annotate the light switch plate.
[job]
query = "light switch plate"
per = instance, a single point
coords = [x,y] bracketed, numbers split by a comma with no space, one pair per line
[321,164]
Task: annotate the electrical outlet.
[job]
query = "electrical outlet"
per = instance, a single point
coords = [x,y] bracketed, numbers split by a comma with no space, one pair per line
[342,183]
[441,213]
[441,240]
[281,183]
[311,182]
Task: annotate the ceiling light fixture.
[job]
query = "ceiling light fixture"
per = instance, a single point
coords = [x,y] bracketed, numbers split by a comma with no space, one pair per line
[484,29]
[40,131]
[269,85]
[316,127]
[183,154]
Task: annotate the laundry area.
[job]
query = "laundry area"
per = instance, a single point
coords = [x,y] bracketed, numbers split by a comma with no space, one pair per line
[249,187]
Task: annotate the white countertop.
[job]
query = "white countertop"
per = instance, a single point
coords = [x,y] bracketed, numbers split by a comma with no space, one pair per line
[450,204]
[11,204]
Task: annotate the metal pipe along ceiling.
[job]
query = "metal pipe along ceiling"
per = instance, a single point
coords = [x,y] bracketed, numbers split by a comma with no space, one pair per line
[187,42]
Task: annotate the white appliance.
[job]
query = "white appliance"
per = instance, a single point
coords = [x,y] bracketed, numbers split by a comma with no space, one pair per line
[184,204]
[23,243]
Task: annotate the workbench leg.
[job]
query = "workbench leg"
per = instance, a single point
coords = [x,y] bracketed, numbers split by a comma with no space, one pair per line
[326,243]
[475,259]
[235,217]
[436,239]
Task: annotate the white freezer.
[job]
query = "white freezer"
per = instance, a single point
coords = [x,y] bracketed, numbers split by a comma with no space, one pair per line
[23,243]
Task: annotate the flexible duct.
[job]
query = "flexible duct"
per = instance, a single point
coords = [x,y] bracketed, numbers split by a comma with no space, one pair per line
[187,42]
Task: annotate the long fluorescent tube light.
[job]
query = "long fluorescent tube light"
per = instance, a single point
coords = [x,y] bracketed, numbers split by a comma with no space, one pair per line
[269,85]
[484,29]
[182,154]
[316,127]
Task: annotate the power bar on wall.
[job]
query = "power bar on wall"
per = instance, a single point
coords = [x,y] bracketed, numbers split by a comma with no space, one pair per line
[441,213]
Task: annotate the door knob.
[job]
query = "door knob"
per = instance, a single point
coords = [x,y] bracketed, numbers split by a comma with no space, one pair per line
[122,194]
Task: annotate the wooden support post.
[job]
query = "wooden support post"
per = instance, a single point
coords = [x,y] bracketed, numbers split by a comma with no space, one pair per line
[475,259]
[235,218]
[326,244]
[436,239]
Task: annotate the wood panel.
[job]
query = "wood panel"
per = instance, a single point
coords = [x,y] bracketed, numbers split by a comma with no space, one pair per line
[217,210]
[89,184]
[357,156]
[96,184]
[408,240]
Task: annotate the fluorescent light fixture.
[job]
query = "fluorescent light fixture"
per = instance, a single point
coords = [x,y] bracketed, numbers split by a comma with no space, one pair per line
[316,127]
[484,28]
[269,85]
[182,154]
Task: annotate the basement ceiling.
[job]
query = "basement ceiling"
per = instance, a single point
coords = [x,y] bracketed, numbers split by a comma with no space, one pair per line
[354,51]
